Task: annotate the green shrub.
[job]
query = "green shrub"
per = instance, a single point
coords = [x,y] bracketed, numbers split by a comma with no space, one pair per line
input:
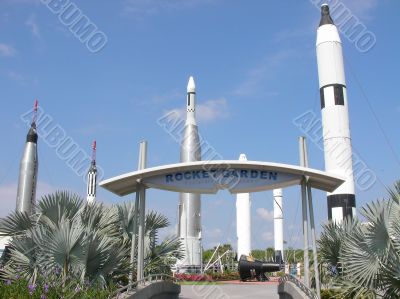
[21,289]
[328,294]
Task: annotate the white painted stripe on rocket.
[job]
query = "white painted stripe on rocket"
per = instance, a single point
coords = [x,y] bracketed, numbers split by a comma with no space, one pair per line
[337,214]
[329,55]
[243,220]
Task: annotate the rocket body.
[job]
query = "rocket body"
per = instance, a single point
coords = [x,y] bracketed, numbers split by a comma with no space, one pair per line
[243,221]
[92,178]
[26,193]
[189,225]
[91,183]
[335,117]
[278,225]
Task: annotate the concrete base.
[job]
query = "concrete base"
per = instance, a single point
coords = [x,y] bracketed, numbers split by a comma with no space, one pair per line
[158,290]
[288,290]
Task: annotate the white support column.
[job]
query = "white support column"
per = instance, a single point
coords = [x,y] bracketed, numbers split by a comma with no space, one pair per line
[243,221]
[278,225]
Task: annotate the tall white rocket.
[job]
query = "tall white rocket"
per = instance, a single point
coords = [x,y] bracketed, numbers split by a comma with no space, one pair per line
[92,177]
[189,225]
[26,193]
[243,221]
[278,225]
[335,117]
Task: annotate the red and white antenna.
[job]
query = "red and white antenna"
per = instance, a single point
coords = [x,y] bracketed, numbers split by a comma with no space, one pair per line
[35,108]
[94,152]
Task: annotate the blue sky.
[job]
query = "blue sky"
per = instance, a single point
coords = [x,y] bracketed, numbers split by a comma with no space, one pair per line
[255,69]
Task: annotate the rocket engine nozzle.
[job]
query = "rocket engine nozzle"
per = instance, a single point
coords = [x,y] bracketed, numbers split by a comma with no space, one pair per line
[249,268]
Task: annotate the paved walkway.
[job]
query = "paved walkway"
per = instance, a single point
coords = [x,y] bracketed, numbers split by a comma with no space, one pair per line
[232,290]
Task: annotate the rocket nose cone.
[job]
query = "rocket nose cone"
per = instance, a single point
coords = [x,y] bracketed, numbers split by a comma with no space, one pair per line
[242,157]
[32,134]
[191,87]
[325,16]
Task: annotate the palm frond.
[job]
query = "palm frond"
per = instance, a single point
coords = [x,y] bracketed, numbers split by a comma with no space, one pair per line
[125,212]
[53,207]
[164,256]
[349,289]
[358,260]
[102,255]
[330,242]
[62,246]
[23,259]
[390,282]
[154,222]
[15,224]
[395,192]
[96,217]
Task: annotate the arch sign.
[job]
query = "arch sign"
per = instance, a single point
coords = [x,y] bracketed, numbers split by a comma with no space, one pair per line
[211,176]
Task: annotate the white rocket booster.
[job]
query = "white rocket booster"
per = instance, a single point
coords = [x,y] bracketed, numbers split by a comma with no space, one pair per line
[243,221]
[92,177]
[26,193]
[278,225]
[189,226]
[335,117]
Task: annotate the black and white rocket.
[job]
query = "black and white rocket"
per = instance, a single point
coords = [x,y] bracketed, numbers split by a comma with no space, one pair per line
[26,193]
[335,117]
[92,177]
[189,220]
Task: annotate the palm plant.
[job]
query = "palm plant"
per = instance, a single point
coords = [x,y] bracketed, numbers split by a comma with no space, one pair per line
[368,253]
[158,257]
[90,243]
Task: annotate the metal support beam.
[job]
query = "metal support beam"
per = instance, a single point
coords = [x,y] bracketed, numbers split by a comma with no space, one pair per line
[314,241]
[141,209]
[304,213]
[134,232]
[312,225]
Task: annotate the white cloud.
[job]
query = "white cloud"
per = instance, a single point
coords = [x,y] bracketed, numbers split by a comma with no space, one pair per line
[259,74]
[33,26]
[205,112]
[142,8]
[20,78]
[22,1]
[362,8]
[265,214]
[172,95]
[267,236]
[6,50]
[8,195]
[15,76]
[213,233]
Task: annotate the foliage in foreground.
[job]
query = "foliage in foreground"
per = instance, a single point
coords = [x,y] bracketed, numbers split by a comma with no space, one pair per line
[21,289]
[73,242]
[364,258]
